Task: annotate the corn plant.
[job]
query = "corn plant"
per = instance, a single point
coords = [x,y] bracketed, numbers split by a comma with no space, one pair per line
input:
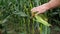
[15,17]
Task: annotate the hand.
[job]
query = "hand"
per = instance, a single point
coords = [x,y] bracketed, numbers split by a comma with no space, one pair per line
[43,8]
[40,9]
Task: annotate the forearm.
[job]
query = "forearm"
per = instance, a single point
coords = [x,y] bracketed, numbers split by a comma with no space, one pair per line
[52,4]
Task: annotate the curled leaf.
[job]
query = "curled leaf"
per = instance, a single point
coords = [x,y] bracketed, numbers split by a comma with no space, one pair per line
[41,20]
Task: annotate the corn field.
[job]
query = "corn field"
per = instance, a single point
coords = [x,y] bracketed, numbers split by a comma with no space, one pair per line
[15,18]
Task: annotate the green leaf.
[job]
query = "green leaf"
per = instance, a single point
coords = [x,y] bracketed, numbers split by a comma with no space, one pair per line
[40,19]
[20,14]
[3,21]
[57,28]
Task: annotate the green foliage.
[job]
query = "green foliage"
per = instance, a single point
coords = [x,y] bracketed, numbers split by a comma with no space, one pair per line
[41,20]
[15,17]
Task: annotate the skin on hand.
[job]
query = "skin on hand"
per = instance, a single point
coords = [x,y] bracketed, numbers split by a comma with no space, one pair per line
[43,8]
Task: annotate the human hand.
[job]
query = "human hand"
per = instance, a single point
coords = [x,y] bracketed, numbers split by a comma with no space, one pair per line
[43,8]
[40,9]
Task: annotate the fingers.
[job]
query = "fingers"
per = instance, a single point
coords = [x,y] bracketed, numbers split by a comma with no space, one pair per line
[34,9]
[40,9]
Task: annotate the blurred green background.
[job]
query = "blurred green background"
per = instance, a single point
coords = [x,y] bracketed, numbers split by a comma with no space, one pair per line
[15,18]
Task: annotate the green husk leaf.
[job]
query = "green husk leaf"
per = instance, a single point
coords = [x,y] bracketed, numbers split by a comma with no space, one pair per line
[40,19]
